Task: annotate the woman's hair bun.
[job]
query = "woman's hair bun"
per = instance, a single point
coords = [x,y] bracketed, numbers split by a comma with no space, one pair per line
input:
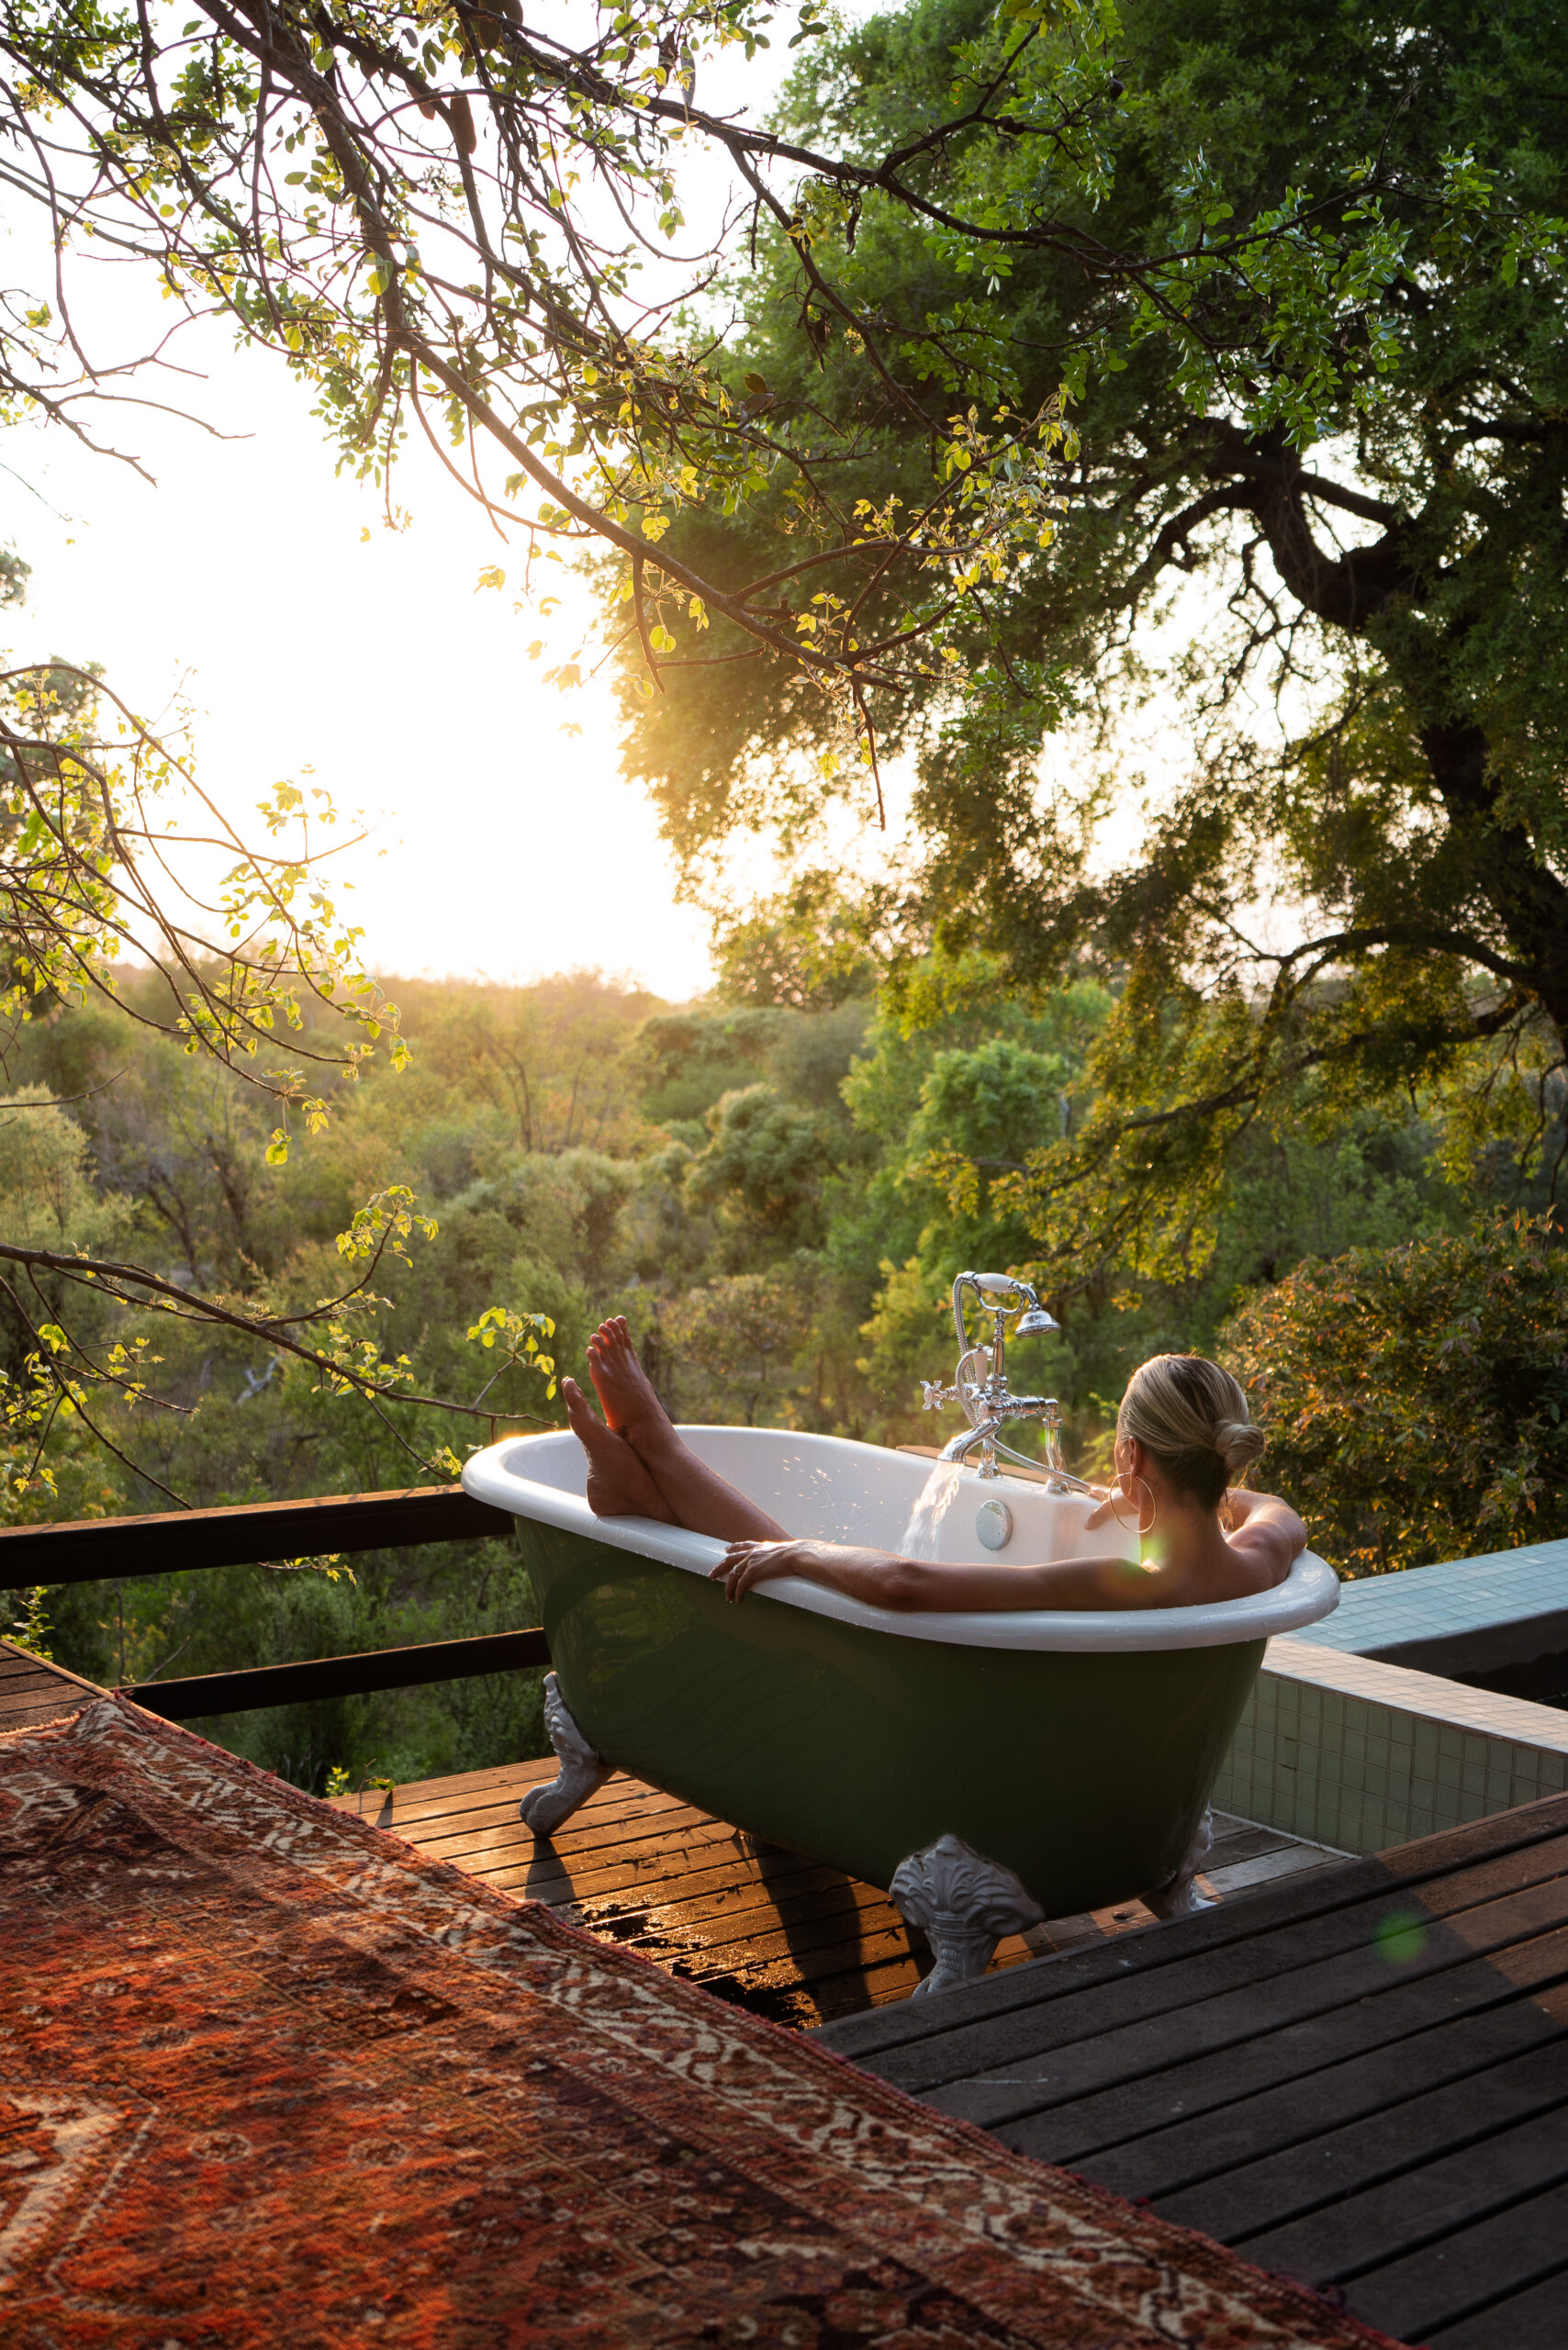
[1195,1419]
[1240,1443]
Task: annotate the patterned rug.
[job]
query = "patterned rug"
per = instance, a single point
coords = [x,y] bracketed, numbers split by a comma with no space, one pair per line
[268,2076]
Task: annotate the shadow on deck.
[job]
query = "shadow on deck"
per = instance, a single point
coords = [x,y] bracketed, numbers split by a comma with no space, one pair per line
[778,1935]
[1358,2079]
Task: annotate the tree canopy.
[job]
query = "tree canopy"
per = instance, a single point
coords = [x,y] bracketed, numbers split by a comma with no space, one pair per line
[1357,522]
[451,219]
[1026,325]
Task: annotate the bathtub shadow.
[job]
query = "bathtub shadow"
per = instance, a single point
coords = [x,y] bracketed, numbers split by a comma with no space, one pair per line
[824,1969]
[825,1932]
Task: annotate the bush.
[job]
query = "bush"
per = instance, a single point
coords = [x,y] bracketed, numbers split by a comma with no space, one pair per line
[1417,1398]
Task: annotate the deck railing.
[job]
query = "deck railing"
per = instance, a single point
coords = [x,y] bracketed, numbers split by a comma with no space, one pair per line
[109,1549]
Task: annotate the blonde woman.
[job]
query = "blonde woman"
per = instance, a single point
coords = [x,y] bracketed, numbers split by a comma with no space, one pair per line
[1184,1433]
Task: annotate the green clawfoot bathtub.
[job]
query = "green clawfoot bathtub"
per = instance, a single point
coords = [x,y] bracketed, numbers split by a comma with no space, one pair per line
[988,1768]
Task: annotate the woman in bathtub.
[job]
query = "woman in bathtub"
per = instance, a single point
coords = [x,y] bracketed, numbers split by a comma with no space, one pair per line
[1182,1433]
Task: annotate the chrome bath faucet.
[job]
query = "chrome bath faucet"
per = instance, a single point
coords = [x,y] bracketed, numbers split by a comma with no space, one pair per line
[980,1383]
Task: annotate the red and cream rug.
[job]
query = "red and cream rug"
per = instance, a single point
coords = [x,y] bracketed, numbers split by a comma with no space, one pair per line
[267,2076]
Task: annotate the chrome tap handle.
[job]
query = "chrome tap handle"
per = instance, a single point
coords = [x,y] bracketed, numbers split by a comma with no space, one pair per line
[935,1397]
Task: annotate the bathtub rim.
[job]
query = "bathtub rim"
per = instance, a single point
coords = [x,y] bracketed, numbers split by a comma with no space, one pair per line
[1309,1593]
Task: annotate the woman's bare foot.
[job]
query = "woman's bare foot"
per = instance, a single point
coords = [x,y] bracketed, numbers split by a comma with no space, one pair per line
[689,1494]
[618,1484]
[626,1392]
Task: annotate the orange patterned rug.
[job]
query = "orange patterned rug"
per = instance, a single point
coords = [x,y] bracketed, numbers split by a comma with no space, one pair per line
[269,2077]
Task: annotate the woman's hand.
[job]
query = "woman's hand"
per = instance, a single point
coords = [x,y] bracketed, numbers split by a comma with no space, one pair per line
[868,1575]
[1104,1504]
[745,1564]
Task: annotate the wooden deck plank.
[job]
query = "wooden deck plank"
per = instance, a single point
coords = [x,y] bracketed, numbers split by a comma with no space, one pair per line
[1486,2266]
[1191,2121]
[723,1907]
[457,1787]
[617,1803]
[1288,1973]
[1263,1868]
[406,1808]
[669,1874]
[659,1877]
[867,2038]
[747,1908]
[602,1842]
[1359,2169]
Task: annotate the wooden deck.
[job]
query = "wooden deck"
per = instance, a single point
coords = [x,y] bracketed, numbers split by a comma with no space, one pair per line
[1354,2072]
[1359,2077]
[32,1692]
[777,1934]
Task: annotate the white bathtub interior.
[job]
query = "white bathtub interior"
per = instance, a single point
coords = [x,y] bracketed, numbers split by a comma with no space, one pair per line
[837,1491]
[840,1492]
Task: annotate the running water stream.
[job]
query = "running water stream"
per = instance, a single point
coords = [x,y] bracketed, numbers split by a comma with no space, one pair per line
[921,1536]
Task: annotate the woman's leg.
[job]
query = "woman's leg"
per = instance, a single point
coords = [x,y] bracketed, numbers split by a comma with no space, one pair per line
[696,1495]
[618,1484]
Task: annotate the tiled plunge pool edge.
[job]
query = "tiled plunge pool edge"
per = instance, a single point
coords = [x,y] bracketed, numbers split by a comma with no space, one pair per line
[1345,1751]
[1462,1616]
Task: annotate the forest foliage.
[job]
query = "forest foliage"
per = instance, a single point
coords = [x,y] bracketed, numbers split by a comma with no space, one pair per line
[779,1196]
[1044,322]
[1345,602]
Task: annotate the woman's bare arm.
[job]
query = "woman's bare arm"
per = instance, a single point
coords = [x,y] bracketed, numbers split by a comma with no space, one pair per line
[1254,1555]
[1266,1532]
[883,1579]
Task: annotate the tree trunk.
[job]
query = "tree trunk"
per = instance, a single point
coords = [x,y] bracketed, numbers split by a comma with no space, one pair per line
[1528,899]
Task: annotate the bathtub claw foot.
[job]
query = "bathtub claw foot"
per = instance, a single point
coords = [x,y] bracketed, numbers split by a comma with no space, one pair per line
[1181,1897]
[963,1904]
[544,1809]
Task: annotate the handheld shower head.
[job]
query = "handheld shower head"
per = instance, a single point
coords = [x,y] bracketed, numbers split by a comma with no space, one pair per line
[1035,1323]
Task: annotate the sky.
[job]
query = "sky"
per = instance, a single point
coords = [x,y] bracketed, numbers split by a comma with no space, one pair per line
[242,576]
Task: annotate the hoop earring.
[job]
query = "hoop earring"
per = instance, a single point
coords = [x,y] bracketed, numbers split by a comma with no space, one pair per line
[1119,1494]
